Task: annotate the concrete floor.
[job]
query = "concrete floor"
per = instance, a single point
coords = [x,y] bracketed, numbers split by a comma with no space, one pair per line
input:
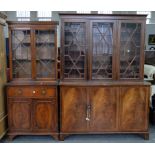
[108,138]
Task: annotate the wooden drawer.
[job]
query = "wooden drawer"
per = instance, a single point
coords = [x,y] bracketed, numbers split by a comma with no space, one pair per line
[30,91]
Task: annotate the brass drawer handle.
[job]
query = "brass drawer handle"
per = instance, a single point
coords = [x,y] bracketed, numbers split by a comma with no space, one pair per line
[33,91]
[43,92]
[19,91]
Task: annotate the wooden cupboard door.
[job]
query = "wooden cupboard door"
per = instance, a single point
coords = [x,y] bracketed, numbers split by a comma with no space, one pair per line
[104,109]
[73,109]
[134,108]
[45,115]
[19,113]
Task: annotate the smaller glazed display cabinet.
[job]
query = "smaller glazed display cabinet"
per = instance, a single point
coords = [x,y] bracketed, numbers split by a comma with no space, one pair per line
[32,93]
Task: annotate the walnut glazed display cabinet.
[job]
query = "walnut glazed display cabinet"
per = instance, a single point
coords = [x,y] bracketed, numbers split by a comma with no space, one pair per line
[102,88]
[32,92]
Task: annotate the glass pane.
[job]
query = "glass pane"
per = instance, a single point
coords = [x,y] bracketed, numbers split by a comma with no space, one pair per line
[102,50]
[130,50]
[45,53]
[75,50]
[21,54]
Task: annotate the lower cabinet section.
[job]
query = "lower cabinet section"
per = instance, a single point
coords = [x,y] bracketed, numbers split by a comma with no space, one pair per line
[32,116]
[104,109]
[84,109]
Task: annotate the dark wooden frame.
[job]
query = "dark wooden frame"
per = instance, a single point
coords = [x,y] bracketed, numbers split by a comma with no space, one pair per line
[151,39]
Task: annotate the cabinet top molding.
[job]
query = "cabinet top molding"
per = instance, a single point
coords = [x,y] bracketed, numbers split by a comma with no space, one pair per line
[105,83]
[33,22]
[108,16]
[2,18]
[94,14]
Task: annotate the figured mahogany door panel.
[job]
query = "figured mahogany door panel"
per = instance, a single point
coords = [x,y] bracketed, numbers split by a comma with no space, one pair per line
[134,109]
[19,111]
[45,115]
[104,109]
[73,109]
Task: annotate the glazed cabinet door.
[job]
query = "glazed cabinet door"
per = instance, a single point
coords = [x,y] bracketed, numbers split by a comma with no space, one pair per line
[73,109]
[103,48]
[131,50]
[19,114]
[45,46]
[45,115]
[20,55]
[134,108]
[74,50]
[104,109]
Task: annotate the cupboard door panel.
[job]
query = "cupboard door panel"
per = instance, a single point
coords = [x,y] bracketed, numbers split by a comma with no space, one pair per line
[19,114]
[45,115]
[103,109]
[73,109]
[134,109]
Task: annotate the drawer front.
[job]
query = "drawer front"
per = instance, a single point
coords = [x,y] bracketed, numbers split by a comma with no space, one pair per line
[30,91]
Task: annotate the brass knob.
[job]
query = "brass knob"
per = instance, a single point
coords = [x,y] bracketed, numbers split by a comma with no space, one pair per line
[19,91]
[43,92]
[34,92]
